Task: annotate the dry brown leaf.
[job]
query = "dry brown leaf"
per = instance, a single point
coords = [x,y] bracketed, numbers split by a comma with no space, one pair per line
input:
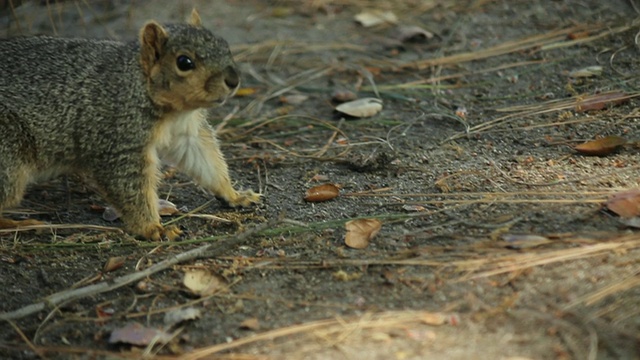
[633,222]
[434,318]
[322,193]
[361,108]
[524,241]
[360,232]
[589,71]
[375,17]
[104,312]
[343,95]
[293,99]
[461,111]
[413,33]
[601,147]
[202,282]
[601,101]
[165,208]
[626,204]
[137,334]
[578,35]
[179,315]
[144,286]
[319,178]
[114,263]
[96,208]
[413,208]
[250,324]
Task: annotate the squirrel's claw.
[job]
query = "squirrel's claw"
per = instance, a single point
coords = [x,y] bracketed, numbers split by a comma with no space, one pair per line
[157,232]
[172,232]
[244,198]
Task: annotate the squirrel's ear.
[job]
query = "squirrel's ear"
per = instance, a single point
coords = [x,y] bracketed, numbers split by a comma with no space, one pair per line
[152,40]
[195,18]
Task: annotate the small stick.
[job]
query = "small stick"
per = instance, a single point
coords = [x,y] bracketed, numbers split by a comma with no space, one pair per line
[73,294]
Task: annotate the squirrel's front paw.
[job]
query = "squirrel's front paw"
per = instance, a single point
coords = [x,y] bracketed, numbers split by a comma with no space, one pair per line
[172,232]
[244,198]
[157,232]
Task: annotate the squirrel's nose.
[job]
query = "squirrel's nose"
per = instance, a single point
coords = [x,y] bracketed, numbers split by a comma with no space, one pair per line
[231,77]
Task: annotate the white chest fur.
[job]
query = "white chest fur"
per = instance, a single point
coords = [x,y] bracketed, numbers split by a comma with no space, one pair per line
[187,141]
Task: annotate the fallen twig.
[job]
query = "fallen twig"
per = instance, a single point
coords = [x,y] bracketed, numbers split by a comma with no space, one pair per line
[91,290]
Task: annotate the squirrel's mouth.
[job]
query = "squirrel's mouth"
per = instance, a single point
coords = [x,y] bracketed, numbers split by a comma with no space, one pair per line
[218,97]
[231,94]
[216,102]
[219,101]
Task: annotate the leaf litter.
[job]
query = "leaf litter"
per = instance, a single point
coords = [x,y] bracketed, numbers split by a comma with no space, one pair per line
[626,204]
[589,71]
[202,282]
[370,18]
[361,108]
[251,323]
[524,241]
[137,334]
[320,193]
[360,232]
[165,208]
[413,33]
[179,315]
[601,147]
[536,47]
[601,101]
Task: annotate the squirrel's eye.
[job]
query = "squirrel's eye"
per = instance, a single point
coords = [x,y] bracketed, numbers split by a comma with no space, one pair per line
[185,63]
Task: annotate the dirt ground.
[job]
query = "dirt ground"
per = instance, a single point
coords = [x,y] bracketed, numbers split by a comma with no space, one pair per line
[494,241]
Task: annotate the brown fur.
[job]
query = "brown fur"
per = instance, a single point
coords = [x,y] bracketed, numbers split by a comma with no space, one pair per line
[158,112]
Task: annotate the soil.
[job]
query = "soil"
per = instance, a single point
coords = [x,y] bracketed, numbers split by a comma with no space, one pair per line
[472,150]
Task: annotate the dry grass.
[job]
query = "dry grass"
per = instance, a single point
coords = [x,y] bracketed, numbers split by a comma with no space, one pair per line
[313,336]
[520,112]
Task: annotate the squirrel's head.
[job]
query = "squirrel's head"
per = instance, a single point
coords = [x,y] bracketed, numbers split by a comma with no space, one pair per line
[186,66]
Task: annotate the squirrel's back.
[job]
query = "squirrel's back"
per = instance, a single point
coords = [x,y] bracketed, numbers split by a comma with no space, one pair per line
[72,93]
[46,77]
[79,96]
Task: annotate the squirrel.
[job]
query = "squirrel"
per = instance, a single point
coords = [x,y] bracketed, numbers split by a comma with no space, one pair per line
[110,111]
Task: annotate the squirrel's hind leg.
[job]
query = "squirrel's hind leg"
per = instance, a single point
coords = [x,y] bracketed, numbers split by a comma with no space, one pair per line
[13,183]
[133,193]
[16,151]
